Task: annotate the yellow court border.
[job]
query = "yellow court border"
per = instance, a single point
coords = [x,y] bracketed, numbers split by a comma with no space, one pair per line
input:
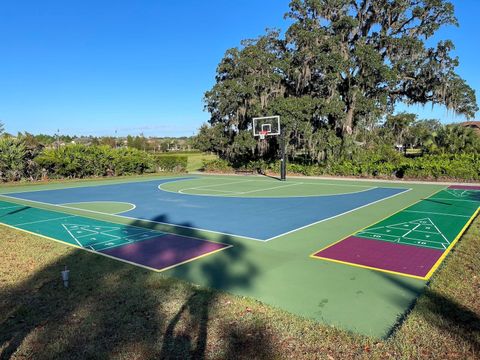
[227,246]
[431,271]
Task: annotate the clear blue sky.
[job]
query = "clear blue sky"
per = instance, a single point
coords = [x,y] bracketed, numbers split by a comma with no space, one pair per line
[91,67]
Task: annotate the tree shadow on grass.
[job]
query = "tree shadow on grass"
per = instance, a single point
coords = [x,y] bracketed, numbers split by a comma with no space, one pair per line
[112,309]
[442,312]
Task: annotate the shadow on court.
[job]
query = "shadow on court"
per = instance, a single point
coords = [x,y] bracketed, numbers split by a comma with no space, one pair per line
[16,211]
[112,308]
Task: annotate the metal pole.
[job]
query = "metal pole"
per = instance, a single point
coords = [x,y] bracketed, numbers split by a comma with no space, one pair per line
[283,160]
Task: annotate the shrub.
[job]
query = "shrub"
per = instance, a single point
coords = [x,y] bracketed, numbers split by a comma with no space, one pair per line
[173,163]
[216,165]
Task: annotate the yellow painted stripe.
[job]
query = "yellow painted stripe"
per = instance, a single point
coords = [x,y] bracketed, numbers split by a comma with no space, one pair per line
[447,251]
[367,267]
[376,222]
[365,227]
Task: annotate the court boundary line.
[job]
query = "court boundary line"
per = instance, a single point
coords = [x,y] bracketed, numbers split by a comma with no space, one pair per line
[312,255]
[213,231]
[430,273]
[435,213]
[107,184]
[227,246]
[440,260]
[455,200]
[46,220]
[338,215]
[234,194]
[11,207]
[102,201]
[132,218]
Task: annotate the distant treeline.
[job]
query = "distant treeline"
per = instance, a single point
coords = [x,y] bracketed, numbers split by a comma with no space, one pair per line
[140,142]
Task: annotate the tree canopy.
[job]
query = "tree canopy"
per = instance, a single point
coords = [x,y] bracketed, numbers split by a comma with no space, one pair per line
[341,66]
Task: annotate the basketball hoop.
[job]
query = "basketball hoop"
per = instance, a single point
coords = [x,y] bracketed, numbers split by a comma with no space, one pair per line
[262,134]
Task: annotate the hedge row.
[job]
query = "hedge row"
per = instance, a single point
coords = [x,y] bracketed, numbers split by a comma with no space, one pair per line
[79,161]
[428,167]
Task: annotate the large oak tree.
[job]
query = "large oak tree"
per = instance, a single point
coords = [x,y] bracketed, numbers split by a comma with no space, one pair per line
[342,65]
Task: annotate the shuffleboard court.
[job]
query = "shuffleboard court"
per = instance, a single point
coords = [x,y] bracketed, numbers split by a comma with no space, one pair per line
[152,249]
[414,241]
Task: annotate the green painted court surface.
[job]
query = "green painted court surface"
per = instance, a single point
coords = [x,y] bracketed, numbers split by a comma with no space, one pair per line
[432,223]
[262,187]
[278,272]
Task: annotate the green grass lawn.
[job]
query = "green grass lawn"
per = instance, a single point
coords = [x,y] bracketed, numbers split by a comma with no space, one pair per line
[195,160]
[115,310]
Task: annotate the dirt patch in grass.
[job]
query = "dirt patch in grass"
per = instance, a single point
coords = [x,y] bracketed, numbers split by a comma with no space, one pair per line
[114,310]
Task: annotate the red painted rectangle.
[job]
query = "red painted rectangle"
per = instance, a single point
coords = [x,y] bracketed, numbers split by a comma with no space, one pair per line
[382,255]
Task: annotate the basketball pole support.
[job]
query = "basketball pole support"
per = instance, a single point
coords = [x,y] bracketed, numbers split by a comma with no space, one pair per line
[283,160]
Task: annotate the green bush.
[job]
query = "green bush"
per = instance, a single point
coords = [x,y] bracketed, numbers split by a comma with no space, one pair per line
[79,161]
[172,163]
[384,163]
[16,160]
[216,165]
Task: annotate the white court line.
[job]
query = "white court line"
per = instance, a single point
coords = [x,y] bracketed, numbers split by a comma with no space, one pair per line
[46,220]
[229,193]
[435,213]
[405,235]
[108,183]
[142,220]
[453,199]
[12,207]
[212,185]
[213,231]
[441,233]
[267,189]
[74,237]
[222,191]
[338,215]
[133,206]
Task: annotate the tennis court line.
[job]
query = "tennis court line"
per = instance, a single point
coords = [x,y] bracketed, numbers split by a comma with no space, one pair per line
[338,215]
[435,213]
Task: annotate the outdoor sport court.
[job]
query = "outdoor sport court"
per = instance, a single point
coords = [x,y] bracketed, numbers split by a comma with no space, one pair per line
[354,254]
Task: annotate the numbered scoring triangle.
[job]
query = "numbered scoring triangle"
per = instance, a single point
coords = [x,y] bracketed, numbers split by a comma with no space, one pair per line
[423,225]
[458,193]
[422,232]
[78,231]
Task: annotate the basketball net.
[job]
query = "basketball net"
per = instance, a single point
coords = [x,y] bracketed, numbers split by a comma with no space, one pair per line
[262,134]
